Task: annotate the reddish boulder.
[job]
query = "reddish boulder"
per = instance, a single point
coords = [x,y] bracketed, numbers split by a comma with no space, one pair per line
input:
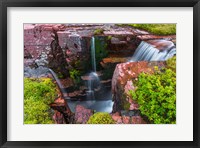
[161,44]
[82,114]
[137,120]
[117,118]
[126,119]
[58,118]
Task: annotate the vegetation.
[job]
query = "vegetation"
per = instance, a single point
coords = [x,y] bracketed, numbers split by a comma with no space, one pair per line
[100,50]
[76,76]
[160,29]
[98,31]
[38,94]
[101,118]
[156,96]
[108,73]
[171,63]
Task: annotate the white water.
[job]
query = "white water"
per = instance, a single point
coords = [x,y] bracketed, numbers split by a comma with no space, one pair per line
[57,80]
[93,81]
[146,52]
[93,54]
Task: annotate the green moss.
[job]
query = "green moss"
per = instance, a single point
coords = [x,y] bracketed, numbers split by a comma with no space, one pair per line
[98,31]
[100,50]
[159,29]
[171,63]
[76,76]
[125,103]
[101,118]
[108,73]
[156,96]
[38,94]
[109,37]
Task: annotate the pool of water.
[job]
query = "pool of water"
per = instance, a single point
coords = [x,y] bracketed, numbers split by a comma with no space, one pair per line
[99,106]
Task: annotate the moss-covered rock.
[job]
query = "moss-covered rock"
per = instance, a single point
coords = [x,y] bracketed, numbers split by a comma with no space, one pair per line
[101,118]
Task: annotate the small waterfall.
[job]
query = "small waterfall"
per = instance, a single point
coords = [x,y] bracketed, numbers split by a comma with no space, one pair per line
[93,54]
[57,81]
[93,84]
[146,52]
[93,81]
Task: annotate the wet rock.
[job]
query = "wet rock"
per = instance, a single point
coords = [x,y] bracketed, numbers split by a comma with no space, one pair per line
[137,120]
[161,44]
[36,72]
[58,118]
[82,114]
[147,37]
[126,119]
[117,118]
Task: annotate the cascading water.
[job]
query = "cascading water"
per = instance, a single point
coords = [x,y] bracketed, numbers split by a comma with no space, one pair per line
[93,81]
[93,57]
[58,83]
[146,52]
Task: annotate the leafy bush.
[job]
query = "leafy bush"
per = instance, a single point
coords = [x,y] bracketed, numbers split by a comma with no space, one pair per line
[98,31]
[171,63]
[76,76]
[38,94]
[101,118]
[160,29]
[156,96]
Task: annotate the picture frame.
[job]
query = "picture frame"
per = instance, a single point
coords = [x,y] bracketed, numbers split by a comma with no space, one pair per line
[99,3]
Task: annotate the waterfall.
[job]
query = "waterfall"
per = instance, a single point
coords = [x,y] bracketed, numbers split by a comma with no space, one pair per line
[93,81]
[146,52]
[93,54]
[57,81]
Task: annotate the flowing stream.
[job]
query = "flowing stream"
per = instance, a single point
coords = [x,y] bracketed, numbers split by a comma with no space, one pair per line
[146,52]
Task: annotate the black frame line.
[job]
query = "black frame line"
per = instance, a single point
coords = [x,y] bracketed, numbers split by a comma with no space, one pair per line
[4,4]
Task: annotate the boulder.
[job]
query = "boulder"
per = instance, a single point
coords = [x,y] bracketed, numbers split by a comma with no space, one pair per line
[82,114]
[122,79]
[127,119]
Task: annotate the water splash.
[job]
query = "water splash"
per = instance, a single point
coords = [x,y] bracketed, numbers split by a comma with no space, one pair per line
[93,83]
[146,52]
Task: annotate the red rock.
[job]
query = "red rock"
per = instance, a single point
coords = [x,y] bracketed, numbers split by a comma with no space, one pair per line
[82,114]
[58,118]
[117,118]
[118,32]
[137,120]
[154,37]
[126,119]
[161,44]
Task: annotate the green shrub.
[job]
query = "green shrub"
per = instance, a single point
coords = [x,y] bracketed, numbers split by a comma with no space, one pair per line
[76,76]
[160,29]
[156,96]
[171,63]
[38,94]
[101,118]
[98,31]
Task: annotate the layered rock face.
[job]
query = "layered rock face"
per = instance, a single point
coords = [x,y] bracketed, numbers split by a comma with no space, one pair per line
[67,46]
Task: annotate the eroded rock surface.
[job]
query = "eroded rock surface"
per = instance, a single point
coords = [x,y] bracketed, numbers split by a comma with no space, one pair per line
[82,114]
